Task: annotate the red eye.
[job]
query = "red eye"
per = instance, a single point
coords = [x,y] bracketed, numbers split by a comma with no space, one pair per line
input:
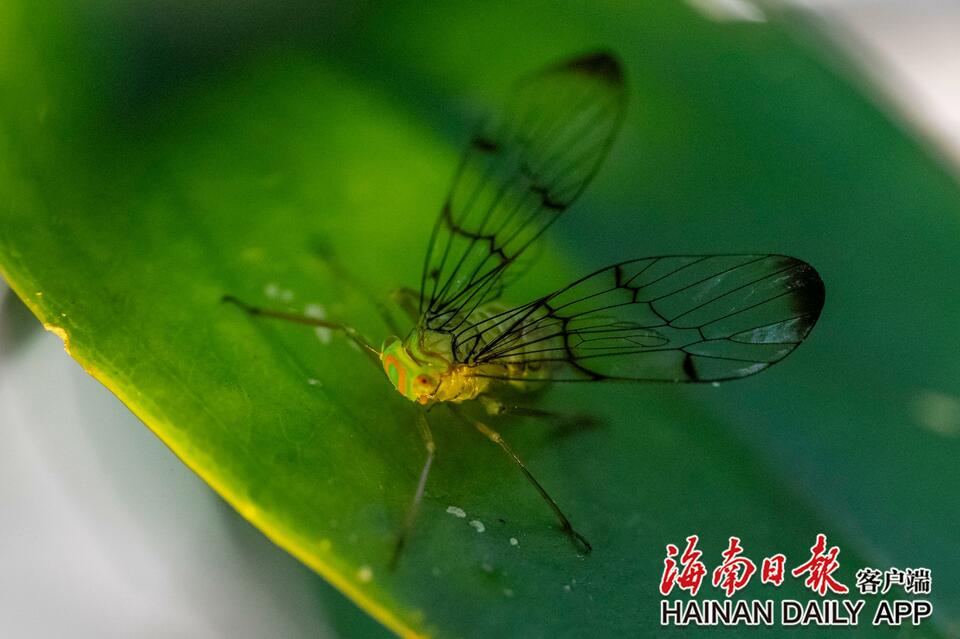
[422,379]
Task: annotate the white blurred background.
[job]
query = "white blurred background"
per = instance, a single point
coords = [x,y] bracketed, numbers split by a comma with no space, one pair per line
[98,516]
[104,533]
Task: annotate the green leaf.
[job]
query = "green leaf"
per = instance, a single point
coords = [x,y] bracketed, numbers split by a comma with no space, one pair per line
[154,160]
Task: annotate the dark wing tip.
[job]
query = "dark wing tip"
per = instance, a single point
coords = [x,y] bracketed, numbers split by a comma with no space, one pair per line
[810,290]
[808,295]
[601,65]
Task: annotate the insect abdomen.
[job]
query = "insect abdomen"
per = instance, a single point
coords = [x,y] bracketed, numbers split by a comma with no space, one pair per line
[515,368]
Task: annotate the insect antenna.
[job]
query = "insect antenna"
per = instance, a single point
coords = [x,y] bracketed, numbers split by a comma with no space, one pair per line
[347,330]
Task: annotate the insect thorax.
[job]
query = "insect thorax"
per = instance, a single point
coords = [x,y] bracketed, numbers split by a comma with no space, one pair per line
[425,369]
[455,381]
[467,380]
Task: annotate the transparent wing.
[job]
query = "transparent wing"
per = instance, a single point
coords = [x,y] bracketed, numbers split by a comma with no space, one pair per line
[520,172]
[672,319]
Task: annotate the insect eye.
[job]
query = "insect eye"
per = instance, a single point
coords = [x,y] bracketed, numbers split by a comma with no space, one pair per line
[423,379]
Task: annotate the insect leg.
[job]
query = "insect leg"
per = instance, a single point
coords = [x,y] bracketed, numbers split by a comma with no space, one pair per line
[408,300]
[578,539]
[566,422]
[326,255]
[386,316]
[424,427]
[347,330]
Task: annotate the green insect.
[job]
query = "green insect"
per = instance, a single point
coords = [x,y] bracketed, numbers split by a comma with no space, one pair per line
[674,318]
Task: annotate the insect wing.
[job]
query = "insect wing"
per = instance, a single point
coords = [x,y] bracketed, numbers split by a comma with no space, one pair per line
[670,319]
[520,172]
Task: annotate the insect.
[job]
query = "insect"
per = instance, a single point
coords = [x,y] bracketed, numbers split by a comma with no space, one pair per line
[671,318]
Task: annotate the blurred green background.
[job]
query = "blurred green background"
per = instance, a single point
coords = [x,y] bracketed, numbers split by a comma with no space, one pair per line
[155,156]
